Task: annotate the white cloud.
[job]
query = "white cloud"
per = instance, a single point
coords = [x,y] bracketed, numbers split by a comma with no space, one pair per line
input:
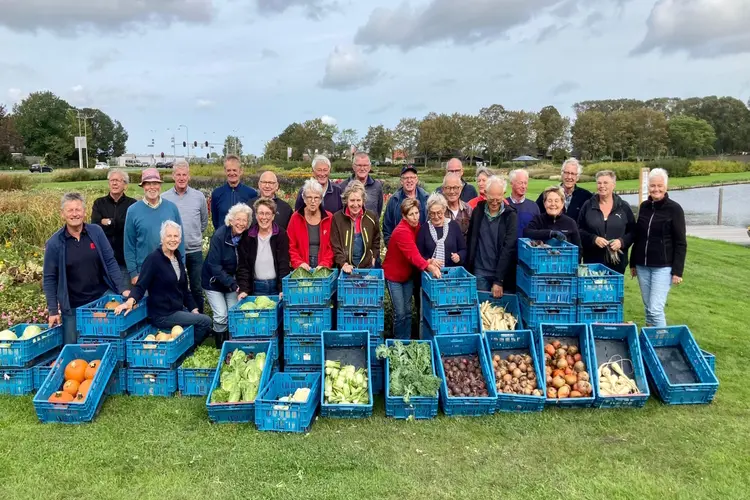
[347,69]
[328,120]
[15,95]
[101,60]
[204,103]
[314,9]
[702,28]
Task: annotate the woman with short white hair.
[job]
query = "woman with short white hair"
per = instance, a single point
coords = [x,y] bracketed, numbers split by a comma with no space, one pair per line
[660,247]
[163,276]
[309,230]
[441,238]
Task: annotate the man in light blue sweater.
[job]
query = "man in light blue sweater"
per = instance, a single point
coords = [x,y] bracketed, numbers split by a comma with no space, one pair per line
[143,223]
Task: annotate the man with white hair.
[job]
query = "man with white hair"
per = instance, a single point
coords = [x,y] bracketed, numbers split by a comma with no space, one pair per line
[193,209]
[525,208]
[268,185]
[321,167]
[373,188]
[456,167]
[575,196]
[492,239]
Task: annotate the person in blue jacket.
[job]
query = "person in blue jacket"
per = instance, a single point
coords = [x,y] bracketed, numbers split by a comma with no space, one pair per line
[409,189]
[234,191]
[79,267]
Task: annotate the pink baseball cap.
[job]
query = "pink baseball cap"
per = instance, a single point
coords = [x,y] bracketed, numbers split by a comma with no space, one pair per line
[150,175]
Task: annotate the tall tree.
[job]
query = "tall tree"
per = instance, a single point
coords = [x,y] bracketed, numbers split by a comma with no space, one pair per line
[650,136]
[519,133]
[232,146]
[551,130]
[119,139]
[729,117]
[100,134]
[492,119]
[618,134]
[471,132]
[608,106]
[589,135]
[690,137]
[406,137]
[275,150]
[378,142]
[344,141]
[43,120]
[10,140]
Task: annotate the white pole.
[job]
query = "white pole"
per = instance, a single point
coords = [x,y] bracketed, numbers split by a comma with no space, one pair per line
[78,142]
[86,134]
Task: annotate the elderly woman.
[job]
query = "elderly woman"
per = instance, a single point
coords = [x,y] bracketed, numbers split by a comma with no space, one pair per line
[441,238]
[659,247]
[163,276]
[606,225]
[219,275]
[399,264]
[483,173]
[310,231]
[355,232]
[263,253]
[573,196]
[553,223]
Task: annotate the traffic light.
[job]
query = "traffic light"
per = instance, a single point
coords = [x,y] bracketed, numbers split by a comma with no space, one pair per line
[206,143]
[184,144]
[208,156]
[162,154]
[195,144]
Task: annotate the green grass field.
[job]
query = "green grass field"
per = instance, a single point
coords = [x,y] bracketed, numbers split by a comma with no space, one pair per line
[141,448]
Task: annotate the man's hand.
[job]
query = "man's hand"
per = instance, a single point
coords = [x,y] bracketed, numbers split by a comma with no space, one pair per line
[126,306]
[134,280]
[601,242]
[497,291]
[195,311]
[54,320]
[106,222]
[126,293]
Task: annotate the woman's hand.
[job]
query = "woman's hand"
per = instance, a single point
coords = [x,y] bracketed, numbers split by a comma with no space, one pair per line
[434,270]
[436,262]
[497,291]
[615,245]
[126,306]
[347,268]
[601,242]
[305,266]
[241,295]
[455,258]
[54,320]
[676,280]
[195,311]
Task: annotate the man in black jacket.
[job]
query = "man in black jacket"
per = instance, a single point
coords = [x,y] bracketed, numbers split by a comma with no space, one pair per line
[575,196]
[268,186]
[109,212]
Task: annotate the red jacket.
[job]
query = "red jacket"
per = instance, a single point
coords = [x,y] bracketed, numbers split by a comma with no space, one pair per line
[299,244]
[403,254]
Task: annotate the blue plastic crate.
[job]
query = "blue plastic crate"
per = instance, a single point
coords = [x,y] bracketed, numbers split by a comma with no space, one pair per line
[287,416]
[456,287]
[546,289]
[710,359]
[120,344]
[609,287]
[241,412]
[451,320]
[118,384]
[535,314]
[418,407]
[307,320]
[16,381]
[361,288]
[702,390]
[462,345]
[377,376]
[43,366]
[303,351]
[195,381]
[152,382]
[599,313]
[253,322]
[162,355]
[76,412]
[308,291]
[514,342]
[627,334]
[302,368]
[579,333]
[350,319]
[19,353]
[561,257]
[508,301]
[357,343]
[94,319]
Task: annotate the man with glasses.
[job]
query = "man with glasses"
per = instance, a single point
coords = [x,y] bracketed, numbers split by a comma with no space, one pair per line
[457,209]
[492,239]
[109,213]
[374,189]
[321,167]
[455,167]
[234,191]
[575,196]
[409,189]
[268,185]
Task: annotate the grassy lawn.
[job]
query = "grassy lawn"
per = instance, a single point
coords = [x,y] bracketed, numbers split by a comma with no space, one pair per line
[156,448]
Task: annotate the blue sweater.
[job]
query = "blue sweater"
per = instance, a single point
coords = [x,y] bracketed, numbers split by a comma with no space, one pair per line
[454,243]
[225,197]
[393,211]
[55,281]
[166,294]
[220,267]
[526,211]
[142,228]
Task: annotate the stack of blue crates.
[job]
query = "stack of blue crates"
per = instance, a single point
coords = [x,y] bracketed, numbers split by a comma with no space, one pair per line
[308,311]
[449,304]
[254,324]
[601,292]
[546,282]
[19,358]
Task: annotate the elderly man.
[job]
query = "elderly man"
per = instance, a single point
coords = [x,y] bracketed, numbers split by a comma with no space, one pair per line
[191,204]
[492,239]
[268,185]
[234,191]
[373,188]
[457,210]
[409,189]
[455,167]
[109,212]
[321,167]
[143,223]
[526,209]
[575,196]
[79,267]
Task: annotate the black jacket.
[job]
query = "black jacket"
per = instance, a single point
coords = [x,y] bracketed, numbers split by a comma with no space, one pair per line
[619,225]
[580,196]
[107,208]
[283,212]
[660,236]
[166,294]
[507,240]
[220,267]
[542,225]
[248,250]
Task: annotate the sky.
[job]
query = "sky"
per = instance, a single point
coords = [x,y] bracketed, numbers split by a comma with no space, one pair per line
[252,67]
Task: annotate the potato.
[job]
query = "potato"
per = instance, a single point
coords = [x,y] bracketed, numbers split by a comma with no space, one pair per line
[558,382]
[561,363]
[579,366]
[570,379]
[563,392]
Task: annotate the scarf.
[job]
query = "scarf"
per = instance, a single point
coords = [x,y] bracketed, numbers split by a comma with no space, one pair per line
[439,252]
[491,217]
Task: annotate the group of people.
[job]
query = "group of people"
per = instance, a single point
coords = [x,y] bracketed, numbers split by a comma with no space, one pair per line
[154,246]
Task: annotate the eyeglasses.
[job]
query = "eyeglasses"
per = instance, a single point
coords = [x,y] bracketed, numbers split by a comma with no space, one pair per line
[312,198]
[454,171]
[437,214]
[363,165]
[409,178]
[268,183]
[570,173]
[494,200]
[452,188]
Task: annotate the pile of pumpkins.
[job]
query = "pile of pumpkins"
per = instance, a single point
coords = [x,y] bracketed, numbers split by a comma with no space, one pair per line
[162,337]
[78,376]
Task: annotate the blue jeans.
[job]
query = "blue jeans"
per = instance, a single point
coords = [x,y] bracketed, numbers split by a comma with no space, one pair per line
[655,283]
[265,287]
[484,283]
[220,304]
[401,294]
[194,265]
[200,322]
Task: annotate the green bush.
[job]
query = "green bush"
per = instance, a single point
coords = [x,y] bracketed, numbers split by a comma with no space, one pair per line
[706,167]
[623,170]
[342,166]
[13,182]
[79,174]
[675,167]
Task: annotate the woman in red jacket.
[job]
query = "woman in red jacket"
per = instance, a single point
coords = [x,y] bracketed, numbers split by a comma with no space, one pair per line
[309,231]
[400,260]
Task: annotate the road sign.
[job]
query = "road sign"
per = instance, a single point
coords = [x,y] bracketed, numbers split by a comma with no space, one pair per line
[643,185]
[80,142]
[288,153]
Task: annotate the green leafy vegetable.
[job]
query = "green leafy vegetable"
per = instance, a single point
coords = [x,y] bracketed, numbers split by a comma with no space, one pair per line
[203,357]
[410,369]
[240,377]
[320,273]
[345,384]
[219,396]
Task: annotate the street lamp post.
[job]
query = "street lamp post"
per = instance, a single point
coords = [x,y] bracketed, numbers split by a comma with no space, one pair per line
[187,139]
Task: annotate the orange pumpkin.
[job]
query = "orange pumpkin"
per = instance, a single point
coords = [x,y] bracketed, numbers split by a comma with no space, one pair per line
[71,387]
[76,370]
[91,369]
[60,397]
[83,390]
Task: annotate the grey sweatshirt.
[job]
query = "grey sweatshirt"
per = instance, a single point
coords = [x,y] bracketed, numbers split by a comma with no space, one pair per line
[194,214]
